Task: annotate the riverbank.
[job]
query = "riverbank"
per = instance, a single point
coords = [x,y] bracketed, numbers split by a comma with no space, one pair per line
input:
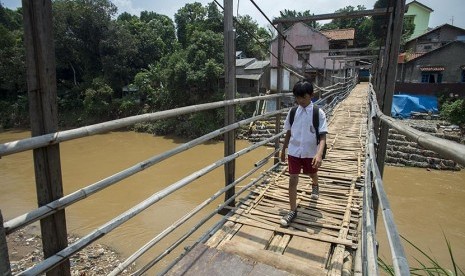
[404,152]
[25,250]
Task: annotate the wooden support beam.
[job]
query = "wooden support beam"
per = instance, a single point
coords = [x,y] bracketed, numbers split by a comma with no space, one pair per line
[392,53]
[332,16]
[42,92]
[5,269]
[346,50]
[230,90]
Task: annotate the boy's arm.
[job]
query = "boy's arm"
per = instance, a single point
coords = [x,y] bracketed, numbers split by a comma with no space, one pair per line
[316,162]
[286,143]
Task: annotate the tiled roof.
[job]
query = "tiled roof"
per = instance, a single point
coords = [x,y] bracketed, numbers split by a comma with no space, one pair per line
[432,68]
[341,34]
[404,57]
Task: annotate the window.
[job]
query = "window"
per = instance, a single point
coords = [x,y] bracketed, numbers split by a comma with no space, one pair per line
[427,47]
[304,55]
[251,83]
[463,75]
[431,77]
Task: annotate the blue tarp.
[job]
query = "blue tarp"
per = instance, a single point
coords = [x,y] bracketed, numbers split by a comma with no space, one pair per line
[404,105]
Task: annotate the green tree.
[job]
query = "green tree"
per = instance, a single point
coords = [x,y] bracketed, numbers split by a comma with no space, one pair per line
[247,33]
[362,25]
[188,19]
[294,14]
[380,24]
[80,27]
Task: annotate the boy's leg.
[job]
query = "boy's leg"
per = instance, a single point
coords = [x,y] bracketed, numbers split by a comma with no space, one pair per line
[292,214]
[293,181]
[315,187]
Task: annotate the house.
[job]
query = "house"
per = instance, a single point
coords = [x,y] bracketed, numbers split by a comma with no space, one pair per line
[252,76]
[437,72]
[419,14]
[340,38]
[435,38]
[441,65]
[313,65]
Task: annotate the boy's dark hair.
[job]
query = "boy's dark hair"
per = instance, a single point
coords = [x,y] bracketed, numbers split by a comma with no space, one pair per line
[302,87]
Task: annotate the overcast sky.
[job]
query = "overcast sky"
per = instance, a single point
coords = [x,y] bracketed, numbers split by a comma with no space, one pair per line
[445,11]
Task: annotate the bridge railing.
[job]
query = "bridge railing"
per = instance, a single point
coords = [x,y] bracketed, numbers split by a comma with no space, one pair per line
[49,209]
[373,181]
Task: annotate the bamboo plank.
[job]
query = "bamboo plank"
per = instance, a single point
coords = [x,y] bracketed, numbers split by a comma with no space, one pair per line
[293,232]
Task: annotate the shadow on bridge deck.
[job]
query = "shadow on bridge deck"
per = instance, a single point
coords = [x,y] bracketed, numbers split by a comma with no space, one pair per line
[323,238]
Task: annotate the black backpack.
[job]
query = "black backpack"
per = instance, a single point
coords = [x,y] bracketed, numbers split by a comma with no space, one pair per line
[316,124]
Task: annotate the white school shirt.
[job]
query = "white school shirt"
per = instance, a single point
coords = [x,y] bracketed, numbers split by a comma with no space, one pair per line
[302,143]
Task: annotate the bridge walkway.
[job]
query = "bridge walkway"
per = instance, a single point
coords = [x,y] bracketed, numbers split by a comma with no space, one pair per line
[323,238]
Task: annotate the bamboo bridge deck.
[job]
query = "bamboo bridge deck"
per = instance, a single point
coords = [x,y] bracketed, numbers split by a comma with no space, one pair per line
[323,238]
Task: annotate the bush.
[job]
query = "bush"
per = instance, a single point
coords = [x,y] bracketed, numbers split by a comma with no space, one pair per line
[454,112]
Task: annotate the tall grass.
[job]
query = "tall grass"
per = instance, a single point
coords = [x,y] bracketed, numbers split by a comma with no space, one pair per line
[427,267]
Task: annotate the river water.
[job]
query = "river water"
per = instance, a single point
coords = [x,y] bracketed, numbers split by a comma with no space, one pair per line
[425,203]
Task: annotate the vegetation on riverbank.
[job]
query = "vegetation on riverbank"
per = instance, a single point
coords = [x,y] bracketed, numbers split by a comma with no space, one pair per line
[111,65]
[428,266]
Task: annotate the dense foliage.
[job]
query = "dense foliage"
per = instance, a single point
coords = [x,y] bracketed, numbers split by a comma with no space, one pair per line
[454,111]
[111,66]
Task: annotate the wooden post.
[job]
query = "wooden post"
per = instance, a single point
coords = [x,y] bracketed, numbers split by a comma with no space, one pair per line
[279,84]
[5,269]
[230,91]
[324,73]
[332,73]
[392,53]
[42,92]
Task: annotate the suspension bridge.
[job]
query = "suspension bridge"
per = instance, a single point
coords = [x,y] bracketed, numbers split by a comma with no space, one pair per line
[334,235]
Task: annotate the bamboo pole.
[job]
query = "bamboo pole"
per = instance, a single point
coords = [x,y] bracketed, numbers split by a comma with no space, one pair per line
[76,196]
[62,136]
[399,260]
[193,229]
[122,218]
[332,16]
[120,268]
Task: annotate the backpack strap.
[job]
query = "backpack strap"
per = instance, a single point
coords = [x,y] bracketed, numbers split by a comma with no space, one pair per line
[292,115]
[316,122]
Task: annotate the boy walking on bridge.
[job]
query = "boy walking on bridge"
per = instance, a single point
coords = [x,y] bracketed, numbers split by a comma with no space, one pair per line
[304,151]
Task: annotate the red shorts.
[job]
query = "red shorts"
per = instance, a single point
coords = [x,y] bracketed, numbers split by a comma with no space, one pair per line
[296,164]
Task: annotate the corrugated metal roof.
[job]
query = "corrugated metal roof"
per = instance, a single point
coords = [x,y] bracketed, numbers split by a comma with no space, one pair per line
[340,34]
[249,76]
[244,61]
[259,64]
[432,68]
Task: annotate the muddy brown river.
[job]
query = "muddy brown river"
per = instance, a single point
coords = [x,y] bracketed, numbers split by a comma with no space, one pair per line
[425,204]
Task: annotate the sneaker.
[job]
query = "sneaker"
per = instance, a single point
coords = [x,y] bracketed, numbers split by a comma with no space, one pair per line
[315,192]
[286,220]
